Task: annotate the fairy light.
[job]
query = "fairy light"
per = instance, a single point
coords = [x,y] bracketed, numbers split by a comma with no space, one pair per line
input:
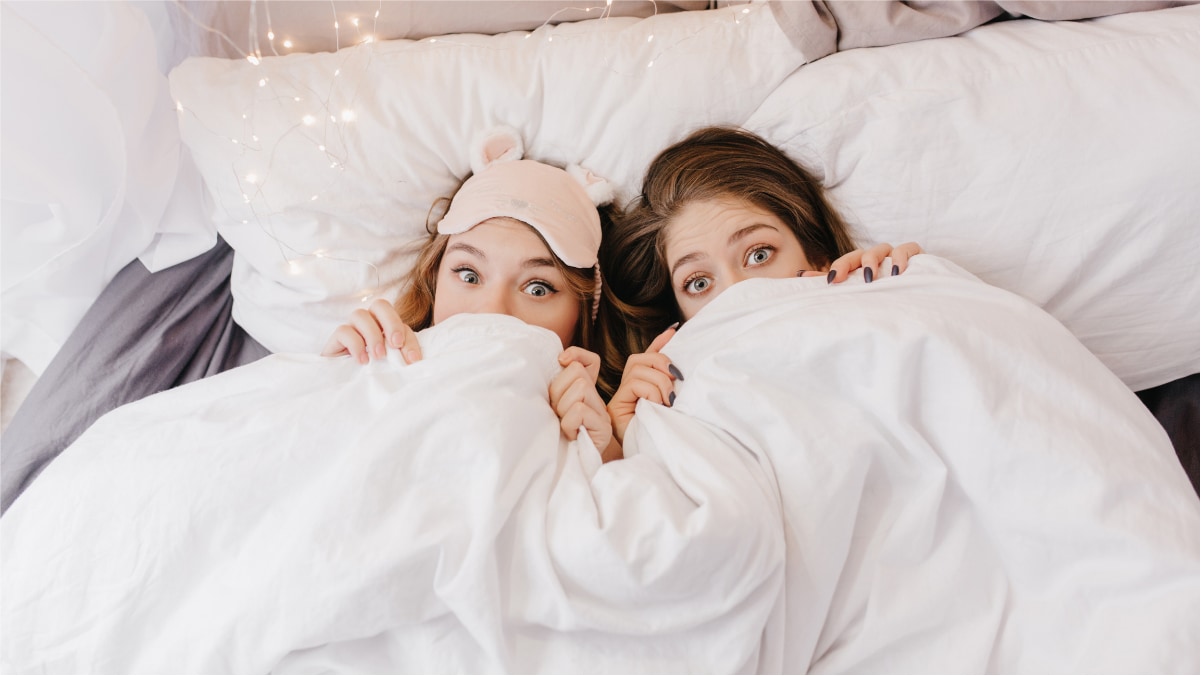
[346,115]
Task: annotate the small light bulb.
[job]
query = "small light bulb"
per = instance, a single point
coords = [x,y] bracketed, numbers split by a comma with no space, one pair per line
[355,21]
[321,148]
[313,198]
[254,60]
[294,267]
[650,37]
[263,82]
[252,178]
[288,44]
[348,115]
[309,120]
[270,35]
[179,106]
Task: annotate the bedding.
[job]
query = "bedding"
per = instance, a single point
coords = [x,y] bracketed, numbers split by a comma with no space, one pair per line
[987,148]
[146,332]
[923,474]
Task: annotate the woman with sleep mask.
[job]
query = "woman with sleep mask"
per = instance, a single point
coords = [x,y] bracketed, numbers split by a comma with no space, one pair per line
[718,207]
[520,238]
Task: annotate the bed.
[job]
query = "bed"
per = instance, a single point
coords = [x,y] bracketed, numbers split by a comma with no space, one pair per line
[986,464]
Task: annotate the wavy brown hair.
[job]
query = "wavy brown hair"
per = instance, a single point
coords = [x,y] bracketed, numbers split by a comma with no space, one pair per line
[415,305]
[711,162]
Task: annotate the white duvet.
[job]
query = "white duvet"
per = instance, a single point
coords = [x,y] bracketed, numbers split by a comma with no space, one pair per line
[924,474]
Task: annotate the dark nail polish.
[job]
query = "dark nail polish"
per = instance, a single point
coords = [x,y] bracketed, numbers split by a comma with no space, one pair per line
[830,277]
[671,399]
[867,275]
[671,368]
[896,270]
[800,273]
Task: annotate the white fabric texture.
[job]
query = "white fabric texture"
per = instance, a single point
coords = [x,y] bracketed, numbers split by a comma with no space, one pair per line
[324,167]
[305,514]
[1057,160]
[925,474]
[1060,161]
[94,171]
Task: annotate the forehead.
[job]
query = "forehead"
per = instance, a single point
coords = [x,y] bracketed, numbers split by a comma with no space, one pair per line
[503,238]
[710,222]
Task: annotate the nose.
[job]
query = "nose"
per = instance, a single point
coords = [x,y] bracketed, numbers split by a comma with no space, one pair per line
[493,300]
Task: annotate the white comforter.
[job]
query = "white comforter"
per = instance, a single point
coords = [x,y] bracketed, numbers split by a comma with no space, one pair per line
[924,474]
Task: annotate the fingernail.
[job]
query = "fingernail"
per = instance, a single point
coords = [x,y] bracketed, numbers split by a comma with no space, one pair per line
[671,368]
[830,277]
[896,270]
[363,358]
[410,356]
[867,275]
[800,273]
[381,351]
[674,326]
[671,399]
[397,339]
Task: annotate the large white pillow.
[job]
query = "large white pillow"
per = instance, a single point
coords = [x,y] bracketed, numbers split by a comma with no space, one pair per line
[1056,160]
[324,166]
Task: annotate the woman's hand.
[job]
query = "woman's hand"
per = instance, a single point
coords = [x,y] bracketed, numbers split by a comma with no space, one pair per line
[363,337]
[870,260]
[575,400]
[649,375]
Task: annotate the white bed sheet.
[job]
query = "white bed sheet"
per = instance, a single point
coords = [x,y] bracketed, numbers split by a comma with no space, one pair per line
[925,474]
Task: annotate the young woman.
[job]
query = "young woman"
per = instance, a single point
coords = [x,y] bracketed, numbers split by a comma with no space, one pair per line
[718,207]
[519,238]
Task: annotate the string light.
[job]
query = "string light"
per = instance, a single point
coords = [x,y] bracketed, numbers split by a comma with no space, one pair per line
[346,114]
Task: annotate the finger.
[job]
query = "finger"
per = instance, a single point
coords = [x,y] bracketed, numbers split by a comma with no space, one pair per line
[589,360]
[661,340]
[370,331]
[902,254]
[570,423]
[563,380]
[662,382]
[841,267]
[347,340]
[410,349]
[569,393]
[871,260]
[389,321]
[655,360]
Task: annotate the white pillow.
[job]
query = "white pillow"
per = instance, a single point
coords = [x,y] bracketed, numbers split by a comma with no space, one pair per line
[1056,160]
[323,167]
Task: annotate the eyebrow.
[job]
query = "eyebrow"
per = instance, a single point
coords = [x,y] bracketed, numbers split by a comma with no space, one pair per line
[538,263]
[459,246]
[738,234]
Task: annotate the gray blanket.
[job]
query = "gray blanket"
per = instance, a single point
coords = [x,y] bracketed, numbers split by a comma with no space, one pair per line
[144,334]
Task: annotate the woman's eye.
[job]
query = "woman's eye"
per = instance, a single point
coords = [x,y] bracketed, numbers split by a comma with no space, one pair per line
[759,256]
[697,285]
[539,289]
[468,275]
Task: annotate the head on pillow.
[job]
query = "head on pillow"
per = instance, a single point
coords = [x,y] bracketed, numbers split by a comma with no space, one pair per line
[520,237]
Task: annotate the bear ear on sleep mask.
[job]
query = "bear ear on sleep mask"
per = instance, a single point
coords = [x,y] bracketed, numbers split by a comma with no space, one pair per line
[560,204]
